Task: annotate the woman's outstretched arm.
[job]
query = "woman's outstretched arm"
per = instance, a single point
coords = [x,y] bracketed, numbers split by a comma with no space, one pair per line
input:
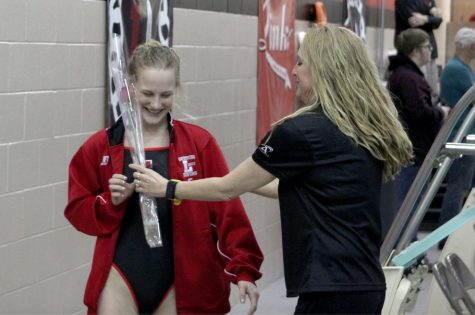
[248,176]
[271,190]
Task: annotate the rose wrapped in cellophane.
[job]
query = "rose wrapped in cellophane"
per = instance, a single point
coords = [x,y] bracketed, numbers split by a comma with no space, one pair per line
[130,113]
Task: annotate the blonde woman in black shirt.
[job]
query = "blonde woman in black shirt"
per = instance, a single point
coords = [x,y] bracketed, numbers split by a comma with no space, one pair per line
[330,158]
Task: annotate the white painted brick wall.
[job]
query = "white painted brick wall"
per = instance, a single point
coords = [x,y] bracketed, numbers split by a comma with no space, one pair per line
[52,93]
[219,77]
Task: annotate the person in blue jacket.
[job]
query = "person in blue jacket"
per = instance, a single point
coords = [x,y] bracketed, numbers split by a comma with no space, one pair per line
[457,77]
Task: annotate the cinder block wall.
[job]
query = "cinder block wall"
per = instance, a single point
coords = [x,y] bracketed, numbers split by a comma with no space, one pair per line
[52,97]
[52,91]
[219,71]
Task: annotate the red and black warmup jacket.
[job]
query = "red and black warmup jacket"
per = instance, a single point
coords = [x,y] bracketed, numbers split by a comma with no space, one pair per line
[213,241]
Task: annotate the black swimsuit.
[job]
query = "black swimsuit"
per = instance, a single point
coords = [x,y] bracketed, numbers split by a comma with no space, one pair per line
[148,272]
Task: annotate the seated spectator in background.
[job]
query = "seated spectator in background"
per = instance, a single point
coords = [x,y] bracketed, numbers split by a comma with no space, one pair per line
[412,96]
[424,15]
[456,79]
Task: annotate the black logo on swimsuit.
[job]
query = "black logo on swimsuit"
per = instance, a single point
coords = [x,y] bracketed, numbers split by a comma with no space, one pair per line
[264,148]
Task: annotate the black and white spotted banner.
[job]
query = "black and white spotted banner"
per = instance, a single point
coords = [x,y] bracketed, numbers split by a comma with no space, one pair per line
[136,21]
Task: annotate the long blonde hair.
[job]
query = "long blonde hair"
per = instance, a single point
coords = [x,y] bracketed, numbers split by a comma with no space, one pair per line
[347,88]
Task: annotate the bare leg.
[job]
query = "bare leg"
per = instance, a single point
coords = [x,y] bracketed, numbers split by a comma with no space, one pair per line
[168,305]
[116,298]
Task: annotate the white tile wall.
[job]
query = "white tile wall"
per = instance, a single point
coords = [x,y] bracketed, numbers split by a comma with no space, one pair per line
[93,18]
[219,74]
[74,142]
[82,66]
[5,66]
[11,223]
[12,117]
[100,65]
[23,165]
[13,20]
[37,205]
[3,169]
[52,97]
[54,61]
[39,114]
[53,160]
[69,27]
[92,100]
[41,256]
[25,67]
[60,192]
[67,117]
[188,63]
[41,23]
[54,295]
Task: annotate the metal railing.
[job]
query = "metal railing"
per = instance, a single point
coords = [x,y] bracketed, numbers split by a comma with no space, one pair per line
[441,156]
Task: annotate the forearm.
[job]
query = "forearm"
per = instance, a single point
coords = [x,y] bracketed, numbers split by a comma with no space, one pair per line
[434,22]
[248,176]
[270,190]
[207,189]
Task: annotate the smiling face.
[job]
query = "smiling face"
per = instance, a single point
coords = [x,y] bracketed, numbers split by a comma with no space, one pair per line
[155,90]
[303,79]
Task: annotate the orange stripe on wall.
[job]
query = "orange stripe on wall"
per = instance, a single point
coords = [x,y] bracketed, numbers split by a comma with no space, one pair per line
[389,4]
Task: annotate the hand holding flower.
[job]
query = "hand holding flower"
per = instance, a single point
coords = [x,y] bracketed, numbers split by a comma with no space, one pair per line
[149,182]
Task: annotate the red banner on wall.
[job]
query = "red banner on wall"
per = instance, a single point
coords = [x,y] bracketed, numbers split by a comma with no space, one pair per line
[276,59]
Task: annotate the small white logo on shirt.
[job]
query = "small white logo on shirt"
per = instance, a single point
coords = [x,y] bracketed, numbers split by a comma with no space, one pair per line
[105,160]
[265,149]
[188,163]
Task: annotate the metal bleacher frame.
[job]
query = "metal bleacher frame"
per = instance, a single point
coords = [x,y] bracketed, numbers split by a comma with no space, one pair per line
[403,278]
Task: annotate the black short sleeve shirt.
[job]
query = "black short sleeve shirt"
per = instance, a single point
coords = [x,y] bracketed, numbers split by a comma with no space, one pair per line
[329,193]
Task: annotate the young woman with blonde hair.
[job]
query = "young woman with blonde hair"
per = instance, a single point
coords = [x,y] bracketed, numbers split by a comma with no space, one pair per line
[330,158]
[206,246]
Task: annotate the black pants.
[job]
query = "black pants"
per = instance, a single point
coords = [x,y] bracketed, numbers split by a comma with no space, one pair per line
[341,302]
